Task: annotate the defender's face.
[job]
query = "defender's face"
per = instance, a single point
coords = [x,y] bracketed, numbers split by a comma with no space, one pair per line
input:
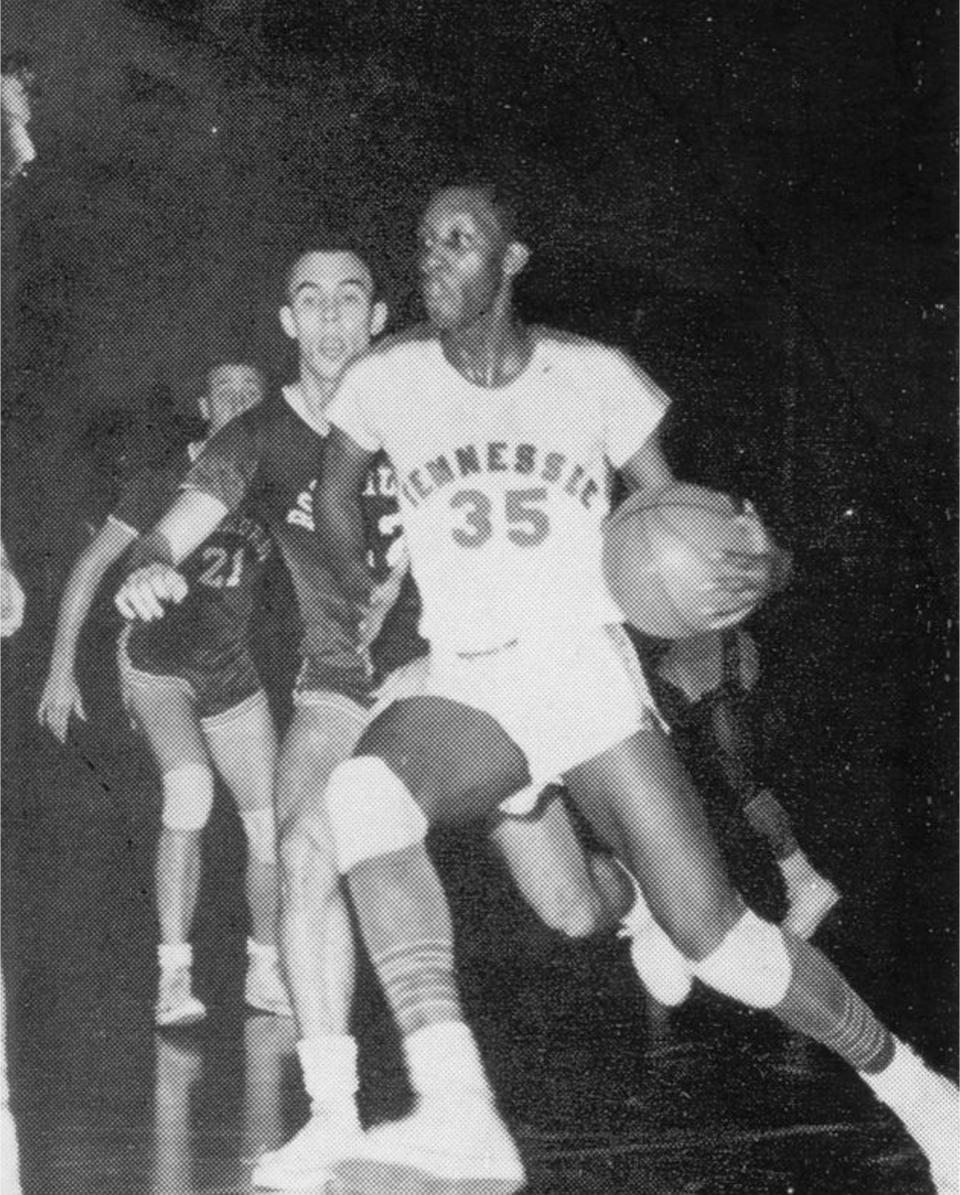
[231,390]
[461,257]
[331,312]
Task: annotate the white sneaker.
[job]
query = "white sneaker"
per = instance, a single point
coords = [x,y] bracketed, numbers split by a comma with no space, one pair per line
[662,969]
[457,1139]
[305,1162]
[928,1104]
[809,903]
[264,988]
[176,1004]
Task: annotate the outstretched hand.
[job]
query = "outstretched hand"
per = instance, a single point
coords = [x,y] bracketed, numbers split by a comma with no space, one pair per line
[143,593]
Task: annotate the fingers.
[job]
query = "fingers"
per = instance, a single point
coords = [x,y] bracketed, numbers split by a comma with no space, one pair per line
[143,593]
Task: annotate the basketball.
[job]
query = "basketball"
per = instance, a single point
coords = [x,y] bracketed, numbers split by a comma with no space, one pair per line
[659,556]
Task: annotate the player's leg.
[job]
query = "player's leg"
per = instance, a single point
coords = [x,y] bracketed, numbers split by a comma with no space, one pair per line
[571,889]
[640,800]
[422,760]
[163,709]
[243,745]
[810,896]
[580,892]
[316,940]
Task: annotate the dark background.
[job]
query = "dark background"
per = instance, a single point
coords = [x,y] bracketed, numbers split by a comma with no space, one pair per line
[757,200]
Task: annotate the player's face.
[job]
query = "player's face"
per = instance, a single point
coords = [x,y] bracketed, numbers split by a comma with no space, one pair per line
[462,254]
[231,390]
[331,311]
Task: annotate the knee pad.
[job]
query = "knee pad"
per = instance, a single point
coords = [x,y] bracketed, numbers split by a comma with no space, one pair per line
[187,797]
[372,812]
[260,827]
[751,964]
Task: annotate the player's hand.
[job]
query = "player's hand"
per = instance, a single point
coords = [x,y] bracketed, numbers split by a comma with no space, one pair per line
[12,601]
[741,581]
[144,592]
[60,698]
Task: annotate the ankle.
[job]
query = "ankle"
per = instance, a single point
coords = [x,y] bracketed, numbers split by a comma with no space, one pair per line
[175,956]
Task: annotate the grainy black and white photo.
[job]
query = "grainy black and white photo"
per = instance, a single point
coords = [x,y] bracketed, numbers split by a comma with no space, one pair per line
[479,597]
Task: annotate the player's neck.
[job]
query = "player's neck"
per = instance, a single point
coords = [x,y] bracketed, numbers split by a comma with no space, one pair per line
[490,352]
[316,392]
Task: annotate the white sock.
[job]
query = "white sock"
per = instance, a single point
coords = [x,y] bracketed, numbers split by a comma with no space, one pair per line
[174,955]
[329,1065]
[444,1060]
[896,1080]
[262,953]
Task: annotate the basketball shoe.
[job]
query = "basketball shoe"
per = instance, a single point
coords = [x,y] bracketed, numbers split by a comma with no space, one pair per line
[306,1162]
[660,966]
[176,1004]
[928,1104]
[264,988]
[456,1139]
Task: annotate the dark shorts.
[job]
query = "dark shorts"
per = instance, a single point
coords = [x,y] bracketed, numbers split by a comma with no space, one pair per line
[215,680]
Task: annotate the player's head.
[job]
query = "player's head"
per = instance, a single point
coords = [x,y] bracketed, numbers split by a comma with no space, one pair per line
[18,151]
[469,253]
[230,389]
[331,310]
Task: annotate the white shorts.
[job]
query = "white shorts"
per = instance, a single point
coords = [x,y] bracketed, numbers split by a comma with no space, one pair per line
[563,698]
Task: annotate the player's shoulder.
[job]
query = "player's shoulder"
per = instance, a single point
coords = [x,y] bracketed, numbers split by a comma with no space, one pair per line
[396,351]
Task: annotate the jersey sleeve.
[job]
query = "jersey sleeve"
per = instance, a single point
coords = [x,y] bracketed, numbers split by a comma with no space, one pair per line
[142,501]
[353,408]
[227,465]
[633,405]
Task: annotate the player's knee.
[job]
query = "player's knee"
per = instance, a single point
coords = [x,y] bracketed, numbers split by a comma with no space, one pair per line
[187,797]
[260,827]
[371,811]
[751,964]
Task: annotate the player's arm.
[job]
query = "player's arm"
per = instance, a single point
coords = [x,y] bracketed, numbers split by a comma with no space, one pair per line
[192,518]
[337,515]
[61,694]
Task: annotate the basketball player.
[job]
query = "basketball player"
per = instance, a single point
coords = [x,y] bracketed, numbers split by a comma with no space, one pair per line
[704,688]
[271,457]
[192,689]
[502,437]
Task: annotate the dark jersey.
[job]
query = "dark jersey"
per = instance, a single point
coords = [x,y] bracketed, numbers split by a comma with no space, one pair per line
[270,459]
[222,575]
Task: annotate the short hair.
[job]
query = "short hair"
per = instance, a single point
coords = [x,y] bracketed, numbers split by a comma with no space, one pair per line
[503,198]
[329,245]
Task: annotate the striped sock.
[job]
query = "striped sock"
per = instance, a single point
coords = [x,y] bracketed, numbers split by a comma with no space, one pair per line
[820,1003]
[418,978]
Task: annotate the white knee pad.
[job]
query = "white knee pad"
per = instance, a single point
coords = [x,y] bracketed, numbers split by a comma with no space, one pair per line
[260,827]
[371,812]
[187,797]
[750,964]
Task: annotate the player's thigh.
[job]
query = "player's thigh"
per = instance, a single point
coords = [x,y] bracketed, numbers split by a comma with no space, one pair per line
[457,761]
[322,734]
[640,800]
[544,854]
[163,709]
[243,746]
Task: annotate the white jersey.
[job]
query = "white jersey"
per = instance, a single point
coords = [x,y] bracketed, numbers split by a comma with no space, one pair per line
[502,491]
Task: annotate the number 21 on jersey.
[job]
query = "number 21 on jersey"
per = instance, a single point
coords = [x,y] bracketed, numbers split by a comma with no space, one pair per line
[523,516]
